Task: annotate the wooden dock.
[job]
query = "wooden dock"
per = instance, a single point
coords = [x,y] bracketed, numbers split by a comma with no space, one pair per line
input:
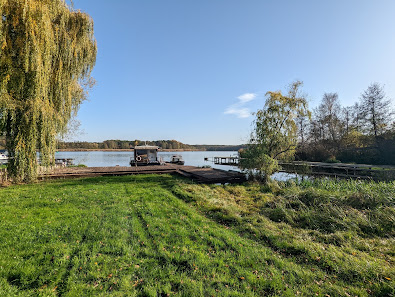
[233,161]
[199,175]
[211,175]
[336,170]
[341,170]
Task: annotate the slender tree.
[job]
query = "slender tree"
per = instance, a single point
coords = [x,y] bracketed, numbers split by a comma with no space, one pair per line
[375,109]
[329,111]
[47,52]
[302,123]
[346,115]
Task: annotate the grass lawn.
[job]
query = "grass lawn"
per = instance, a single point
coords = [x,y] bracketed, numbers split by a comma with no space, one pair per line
[152,235]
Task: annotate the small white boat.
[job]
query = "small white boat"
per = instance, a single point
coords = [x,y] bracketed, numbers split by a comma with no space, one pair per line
[177,159]
[3,158]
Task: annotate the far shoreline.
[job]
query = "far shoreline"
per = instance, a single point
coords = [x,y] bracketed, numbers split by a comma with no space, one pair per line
[126,150]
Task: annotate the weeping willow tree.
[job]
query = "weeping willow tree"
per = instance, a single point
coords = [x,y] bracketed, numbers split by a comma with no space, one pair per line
[274,137]
[47,52]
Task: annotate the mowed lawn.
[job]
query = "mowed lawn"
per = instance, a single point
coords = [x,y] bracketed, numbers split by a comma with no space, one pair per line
[153,235]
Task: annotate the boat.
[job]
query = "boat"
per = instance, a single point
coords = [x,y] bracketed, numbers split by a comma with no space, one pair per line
[145,155]
[3,158]
[177,159]
[64,162]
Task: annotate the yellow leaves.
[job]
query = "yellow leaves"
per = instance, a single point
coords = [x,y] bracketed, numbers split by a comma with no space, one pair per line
[137,282]
[387,278]
[43,32]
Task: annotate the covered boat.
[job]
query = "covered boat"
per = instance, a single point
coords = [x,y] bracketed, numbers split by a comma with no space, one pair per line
[145,155]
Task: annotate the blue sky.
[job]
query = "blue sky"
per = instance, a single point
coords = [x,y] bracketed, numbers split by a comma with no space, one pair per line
[194,70]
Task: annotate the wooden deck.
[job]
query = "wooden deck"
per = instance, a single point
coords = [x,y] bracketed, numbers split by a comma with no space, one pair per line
[199,175]
[341,170]
[211,175]
[336,170]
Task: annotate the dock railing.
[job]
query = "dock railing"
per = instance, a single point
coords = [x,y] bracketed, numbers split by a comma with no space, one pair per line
[41,170]
[226,160]
[359,171]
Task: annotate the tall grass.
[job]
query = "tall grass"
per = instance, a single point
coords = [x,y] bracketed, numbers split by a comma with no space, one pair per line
[165,236]
[345,228]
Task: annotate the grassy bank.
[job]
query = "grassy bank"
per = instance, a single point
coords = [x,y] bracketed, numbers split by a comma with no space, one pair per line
[164,236]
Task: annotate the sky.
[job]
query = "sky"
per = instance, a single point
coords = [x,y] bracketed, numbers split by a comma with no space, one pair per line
[194,71]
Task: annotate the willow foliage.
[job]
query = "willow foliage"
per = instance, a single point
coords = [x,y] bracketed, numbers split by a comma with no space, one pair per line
[274,137]
[47,52]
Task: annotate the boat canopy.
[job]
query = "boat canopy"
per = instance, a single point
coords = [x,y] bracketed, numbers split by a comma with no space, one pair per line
[146,147]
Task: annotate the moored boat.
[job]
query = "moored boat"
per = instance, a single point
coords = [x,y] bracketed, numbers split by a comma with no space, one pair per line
[177,159]
[3,158]
[145,155]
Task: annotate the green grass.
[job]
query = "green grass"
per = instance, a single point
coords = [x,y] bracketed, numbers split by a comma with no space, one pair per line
[165,236]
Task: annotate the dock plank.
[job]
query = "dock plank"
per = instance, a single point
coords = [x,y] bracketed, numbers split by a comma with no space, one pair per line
[200,175]
[210,175]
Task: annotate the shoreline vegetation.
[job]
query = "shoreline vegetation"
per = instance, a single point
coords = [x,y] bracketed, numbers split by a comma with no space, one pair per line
[160,235]
[127,145]
[165,145]
[126,150]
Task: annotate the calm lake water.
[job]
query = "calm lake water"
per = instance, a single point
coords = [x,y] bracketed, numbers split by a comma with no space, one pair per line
[103,159]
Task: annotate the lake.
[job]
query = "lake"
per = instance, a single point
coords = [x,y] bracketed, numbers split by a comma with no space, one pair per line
[107,158]
[194,158]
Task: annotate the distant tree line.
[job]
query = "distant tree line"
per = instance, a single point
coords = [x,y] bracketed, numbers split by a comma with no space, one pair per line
[123,144]
[362,133]
[207,147]
[127,144]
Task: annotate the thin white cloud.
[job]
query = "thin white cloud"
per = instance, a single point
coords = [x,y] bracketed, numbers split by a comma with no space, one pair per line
[247,97]
[237,111]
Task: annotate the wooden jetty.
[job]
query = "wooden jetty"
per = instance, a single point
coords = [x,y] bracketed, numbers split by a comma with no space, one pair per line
[341,170]
[76,172]
[199,175]
[234,161]
[211,175]
[337,170]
